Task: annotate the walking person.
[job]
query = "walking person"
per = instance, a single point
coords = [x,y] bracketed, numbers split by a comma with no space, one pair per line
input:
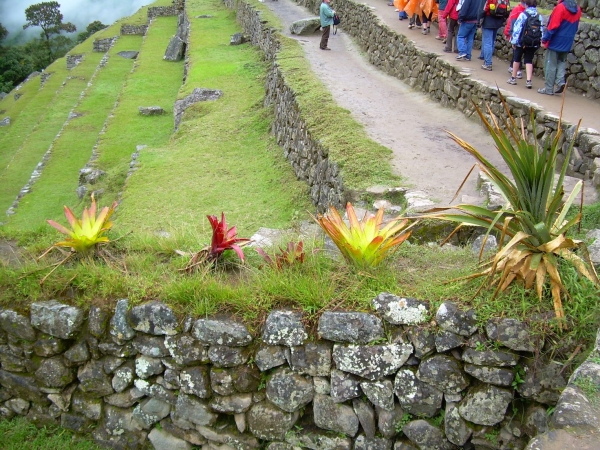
[526,39]
[326,15]
[494,14]
[427,7]
[508,30]
[442,24]
[451,14]
[558,39]
[468,16]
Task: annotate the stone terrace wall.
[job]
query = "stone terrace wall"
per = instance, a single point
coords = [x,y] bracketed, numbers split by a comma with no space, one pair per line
[583,62]
[104,45]
[161,11]
[137,30]
[397,56]
[369,381]
[307,156]
[590,8]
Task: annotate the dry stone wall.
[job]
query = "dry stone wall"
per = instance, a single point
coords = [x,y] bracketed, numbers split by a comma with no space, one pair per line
[397,56]
[583,62]
[162,11]
[590,8]
[394,378]
[307,156]
[136,30]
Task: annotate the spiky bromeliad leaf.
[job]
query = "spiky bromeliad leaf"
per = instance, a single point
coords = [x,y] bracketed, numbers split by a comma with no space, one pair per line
[293,254]
[224,239]
[88,232]
[364,243]
[533,220]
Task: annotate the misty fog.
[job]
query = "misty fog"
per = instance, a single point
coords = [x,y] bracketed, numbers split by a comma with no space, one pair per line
[78,12]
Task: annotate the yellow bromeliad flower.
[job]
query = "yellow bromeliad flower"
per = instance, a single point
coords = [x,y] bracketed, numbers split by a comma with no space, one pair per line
[364,243]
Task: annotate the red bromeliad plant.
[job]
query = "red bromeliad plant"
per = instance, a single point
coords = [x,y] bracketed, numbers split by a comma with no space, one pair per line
[364,243]
[286,257]
[223,239]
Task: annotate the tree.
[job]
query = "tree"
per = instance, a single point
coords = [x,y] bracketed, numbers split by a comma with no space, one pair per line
[3,32]
[15,65]
[92,28]
[48,17]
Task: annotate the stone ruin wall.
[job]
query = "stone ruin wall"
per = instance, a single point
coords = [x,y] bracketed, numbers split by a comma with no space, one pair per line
[162,11]
[397,56]
[103,45]
[136,30]
[307,156]
[590,8]
[391,379]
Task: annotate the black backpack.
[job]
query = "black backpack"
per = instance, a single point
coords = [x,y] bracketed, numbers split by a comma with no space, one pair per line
[336,22]
[531,34]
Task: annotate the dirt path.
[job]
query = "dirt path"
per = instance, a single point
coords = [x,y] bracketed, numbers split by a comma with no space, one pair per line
[407,122]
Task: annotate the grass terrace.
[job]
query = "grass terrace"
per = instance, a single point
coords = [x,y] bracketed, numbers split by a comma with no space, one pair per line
[222,159]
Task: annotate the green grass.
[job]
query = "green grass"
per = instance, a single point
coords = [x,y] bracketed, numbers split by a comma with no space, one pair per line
[222,157]
[72,150]
[153,82]
[18,434]
[23,150]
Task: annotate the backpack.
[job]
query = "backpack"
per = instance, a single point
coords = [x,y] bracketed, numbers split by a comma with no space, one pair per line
[499,8]
[531,34]
[336,22]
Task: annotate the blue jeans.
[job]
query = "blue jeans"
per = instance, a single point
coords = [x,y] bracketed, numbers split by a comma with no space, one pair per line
[464,39]
[488,40]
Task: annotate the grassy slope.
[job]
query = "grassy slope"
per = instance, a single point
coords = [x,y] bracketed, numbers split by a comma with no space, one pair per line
[17,162]
[222,157]
[72,150]
[153,82]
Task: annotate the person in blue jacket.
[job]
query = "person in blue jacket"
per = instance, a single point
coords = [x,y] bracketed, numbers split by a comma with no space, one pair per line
[326,15]
[468,16]
[558,40]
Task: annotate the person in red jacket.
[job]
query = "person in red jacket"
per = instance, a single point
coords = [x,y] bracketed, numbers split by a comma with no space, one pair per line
[508,29]
[558,39]
[451,14]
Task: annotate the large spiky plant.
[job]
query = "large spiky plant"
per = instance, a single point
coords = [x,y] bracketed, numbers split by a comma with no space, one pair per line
[532,225]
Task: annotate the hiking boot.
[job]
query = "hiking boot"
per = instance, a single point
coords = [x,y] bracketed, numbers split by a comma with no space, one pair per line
[512,81]
[463,57]
[559,89]
[486,67]
[519,74]
[528,84]
[544,91]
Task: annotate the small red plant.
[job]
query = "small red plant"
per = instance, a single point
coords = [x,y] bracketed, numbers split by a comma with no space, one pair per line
[286,257]
[223,239]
